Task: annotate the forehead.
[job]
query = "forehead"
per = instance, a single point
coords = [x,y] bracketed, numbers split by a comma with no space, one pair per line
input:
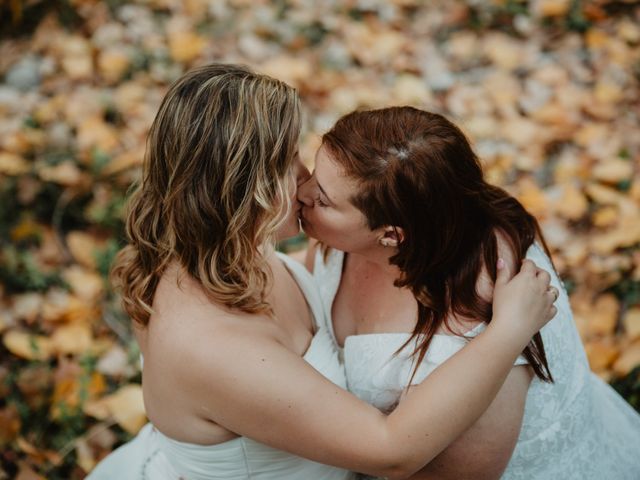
[332,176]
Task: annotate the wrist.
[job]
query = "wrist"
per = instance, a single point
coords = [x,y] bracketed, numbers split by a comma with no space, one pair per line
[507,333]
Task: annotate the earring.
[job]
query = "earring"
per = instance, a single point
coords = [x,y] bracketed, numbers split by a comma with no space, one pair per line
[385,242]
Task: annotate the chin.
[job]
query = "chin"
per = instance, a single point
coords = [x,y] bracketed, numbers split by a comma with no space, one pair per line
[290,230]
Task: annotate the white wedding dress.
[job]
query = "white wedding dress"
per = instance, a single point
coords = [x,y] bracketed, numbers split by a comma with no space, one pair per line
[576,428]
[154,456]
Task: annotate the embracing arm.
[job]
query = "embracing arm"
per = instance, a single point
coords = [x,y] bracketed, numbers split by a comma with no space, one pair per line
[262,390]
[484,450]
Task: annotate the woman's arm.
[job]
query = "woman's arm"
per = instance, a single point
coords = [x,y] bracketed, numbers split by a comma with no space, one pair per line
[260,389]
[484,450]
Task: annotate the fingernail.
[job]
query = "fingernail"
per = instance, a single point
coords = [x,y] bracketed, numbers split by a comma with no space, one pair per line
[500,264]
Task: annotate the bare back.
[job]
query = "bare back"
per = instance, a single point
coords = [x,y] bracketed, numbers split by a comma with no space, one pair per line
[185,324]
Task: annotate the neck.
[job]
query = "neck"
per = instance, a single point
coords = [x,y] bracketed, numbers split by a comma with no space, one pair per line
[379,259]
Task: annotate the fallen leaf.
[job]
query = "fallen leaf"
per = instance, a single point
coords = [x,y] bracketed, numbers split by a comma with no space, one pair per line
[125,405]
[73,338]
[27,346]
[629,359]
[631,322]
[85,284]
[9,424]
[13,165]
[601,353]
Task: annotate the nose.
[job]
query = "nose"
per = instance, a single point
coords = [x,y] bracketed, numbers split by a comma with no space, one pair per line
[304,192]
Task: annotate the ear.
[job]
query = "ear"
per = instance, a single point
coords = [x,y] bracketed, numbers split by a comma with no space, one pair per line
[391,236]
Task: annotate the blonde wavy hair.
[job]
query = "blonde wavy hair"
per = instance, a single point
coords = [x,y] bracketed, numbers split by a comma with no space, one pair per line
[215,187]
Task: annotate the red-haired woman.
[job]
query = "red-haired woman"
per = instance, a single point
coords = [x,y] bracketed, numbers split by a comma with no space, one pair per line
[414,233]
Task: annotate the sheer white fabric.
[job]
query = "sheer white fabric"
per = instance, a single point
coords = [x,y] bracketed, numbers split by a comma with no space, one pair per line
[154,456]
[575,428]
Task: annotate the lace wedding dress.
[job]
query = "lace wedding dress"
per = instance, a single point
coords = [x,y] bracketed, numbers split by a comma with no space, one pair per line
[154,456]
[576,428]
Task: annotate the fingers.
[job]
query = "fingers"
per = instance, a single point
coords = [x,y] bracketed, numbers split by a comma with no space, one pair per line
[543,275]
[528,267]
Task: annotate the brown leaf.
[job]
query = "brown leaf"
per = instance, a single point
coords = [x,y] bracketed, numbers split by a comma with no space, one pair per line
[629,359]
[601,353]
[27,473]
[603,315]
[9,424]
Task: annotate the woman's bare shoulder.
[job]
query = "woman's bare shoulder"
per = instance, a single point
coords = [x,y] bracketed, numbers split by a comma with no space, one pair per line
[187,325]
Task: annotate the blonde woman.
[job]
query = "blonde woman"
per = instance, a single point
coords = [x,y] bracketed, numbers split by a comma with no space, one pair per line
[241,378]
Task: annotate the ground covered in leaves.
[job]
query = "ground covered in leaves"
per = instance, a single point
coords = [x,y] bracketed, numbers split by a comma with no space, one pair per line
[547,90]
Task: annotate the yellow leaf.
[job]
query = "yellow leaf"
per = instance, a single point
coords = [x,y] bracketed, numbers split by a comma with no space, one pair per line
[631,322]
[601,353]
[84,455]
[605,217]
[603,315]
[572,204]
[85,284]
[73,338]
[613,171]
[94,132]
[126,406]
[629,359]
[28,346]
[66,173]
[26,229]
[83,247]
[113,63]
[185,46]
[13,165]
[550,8]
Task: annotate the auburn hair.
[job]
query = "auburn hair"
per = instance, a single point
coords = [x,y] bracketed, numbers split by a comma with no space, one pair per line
[417,171]
[216,172]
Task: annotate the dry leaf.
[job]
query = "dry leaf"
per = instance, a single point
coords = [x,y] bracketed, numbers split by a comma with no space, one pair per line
[83,247]
[629,359]
[27,473]
[74,338]
[572,204]
[85,284]
[9,424]
[631,322]
[603,315]
[113,63]
[13,165]
[186,46]
[613,171]
[126,406]
[66,173]
[601,353]
[549,8]
[27,346]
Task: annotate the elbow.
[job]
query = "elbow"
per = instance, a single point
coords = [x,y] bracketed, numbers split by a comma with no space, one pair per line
[398,472]
[397,468]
